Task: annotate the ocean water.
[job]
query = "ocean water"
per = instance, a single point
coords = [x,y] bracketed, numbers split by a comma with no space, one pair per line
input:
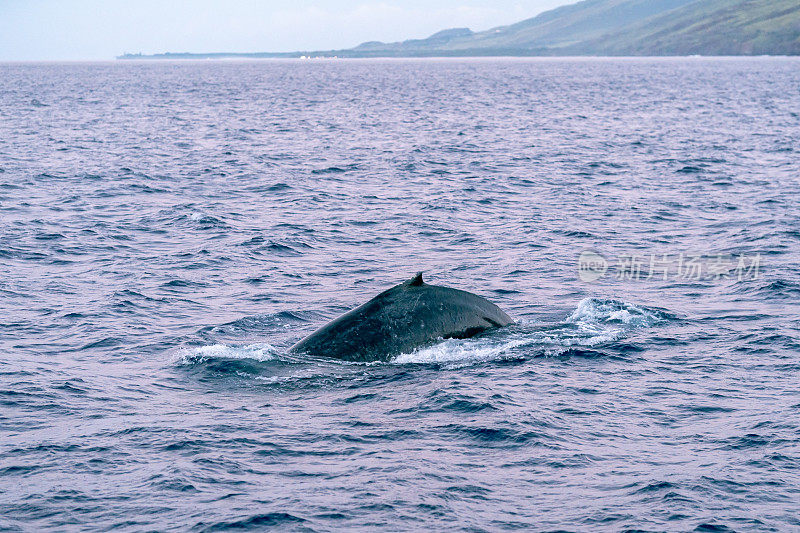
[168,230]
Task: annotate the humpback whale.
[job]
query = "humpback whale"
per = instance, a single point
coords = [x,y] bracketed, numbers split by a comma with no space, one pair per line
[401,319]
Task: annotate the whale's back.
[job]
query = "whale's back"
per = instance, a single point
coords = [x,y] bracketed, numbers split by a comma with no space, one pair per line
[401,319]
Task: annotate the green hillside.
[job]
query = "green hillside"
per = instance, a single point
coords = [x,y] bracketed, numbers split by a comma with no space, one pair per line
[720,27]
[568,25]
[562,27]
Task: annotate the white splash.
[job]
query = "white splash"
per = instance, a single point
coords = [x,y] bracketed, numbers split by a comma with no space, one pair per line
[592,311]
[460,351]
[255,352]
[594,322]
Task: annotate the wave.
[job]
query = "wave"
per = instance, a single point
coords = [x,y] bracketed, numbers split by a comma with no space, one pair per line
[594,323]
[221,360]
[592,311]
[595,328]
[468,351]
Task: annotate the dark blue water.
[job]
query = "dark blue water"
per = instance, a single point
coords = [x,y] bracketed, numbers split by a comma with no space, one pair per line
[169,229]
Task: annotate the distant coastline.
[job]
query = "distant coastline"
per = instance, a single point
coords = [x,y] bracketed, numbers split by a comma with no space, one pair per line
[169,56]
[592,28]
[343,54]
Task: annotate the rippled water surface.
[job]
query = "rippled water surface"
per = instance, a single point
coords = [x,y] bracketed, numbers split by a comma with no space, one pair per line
[169,229]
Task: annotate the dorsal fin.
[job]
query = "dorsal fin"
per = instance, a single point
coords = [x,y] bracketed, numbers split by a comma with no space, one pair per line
[416,281]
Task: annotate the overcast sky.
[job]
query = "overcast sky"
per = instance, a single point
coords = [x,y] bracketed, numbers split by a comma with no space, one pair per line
[102,29]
